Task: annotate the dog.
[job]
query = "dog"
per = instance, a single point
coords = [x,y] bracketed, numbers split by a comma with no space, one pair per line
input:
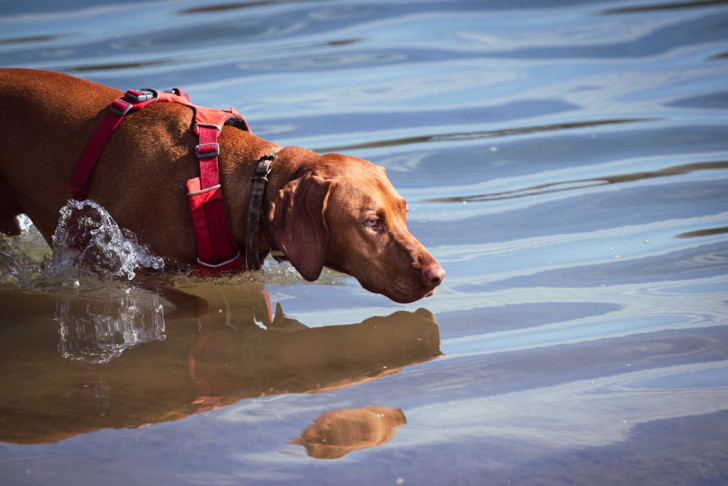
[329,210]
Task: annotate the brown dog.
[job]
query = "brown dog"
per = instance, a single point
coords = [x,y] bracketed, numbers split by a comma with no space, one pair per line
[319,210]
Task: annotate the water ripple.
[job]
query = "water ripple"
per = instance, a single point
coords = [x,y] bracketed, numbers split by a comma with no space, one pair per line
[587,183]
[481,135]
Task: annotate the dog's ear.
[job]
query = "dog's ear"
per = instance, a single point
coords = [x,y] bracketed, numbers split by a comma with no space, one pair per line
[298,220]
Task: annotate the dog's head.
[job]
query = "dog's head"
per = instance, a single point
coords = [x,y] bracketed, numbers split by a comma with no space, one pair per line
[343,213]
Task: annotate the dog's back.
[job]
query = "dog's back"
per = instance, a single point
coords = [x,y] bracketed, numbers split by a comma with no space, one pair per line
[43,130]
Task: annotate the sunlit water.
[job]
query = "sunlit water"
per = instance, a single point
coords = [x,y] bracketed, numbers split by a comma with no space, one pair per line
[565,162]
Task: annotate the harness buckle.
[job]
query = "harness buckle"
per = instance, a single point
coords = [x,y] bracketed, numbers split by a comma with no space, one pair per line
[140,96]
[120,107]
[207,150]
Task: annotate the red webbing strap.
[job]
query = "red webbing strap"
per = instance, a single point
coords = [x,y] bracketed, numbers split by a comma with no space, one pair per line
[216,246]
[118,109]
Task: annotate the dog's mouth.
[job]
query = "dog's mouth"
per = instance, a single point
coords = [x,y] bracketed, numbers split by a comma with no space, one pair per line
[405,296]
[403,289]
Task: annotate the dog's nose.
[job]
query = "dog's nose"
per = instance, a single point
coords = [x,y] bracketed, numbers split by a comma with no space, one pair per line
[433,274]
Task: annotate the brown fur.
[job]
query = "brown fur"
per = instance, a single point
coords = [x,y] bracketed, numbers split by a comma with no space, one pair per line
[317,205]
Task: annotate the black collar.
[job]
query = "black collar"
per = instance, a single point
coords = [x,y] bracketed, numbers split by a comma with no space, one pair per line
[260,179]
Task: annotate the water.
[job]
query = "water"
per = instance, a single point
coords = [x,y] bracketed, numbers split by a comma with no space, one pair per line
[565,162]
[99,311]
[87,237]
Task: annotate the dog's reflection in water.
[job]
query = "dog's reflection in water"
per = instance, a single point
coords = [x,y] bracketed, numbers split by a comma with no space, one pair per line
[234,349]
[339,432]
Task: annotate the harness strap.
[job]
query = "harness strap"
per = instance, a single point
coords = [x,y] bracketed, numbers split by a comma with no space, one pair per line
[216,246]
[118,109]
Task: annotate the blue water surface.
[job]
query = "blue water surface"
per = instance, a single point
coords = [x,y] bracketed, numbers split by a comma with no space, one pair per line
[565,161]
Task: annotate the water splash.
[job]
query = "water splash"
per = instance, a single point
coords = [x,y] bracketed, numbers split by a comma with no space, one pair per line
[23,258]
[99,312]
[97,321]
[87,237]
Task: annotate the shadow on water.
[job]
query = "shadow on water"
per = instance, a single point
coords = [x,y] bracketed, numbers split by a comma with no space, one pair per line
[184,366]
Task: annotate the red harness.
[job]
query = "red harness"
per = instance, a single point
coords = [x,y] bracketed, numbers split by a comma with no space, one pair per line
[216,246]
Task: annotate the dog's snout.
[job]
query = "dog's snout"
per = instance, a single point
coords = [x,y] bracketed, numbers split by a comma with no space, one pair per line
[433,274]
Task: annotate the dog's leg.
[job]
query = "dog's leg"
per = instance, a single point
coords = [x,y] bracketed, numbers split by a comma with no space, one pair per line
[9,210]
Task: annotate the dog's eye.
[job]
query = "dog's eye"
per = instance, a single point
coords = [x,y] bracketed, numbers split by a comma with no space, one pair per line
[372,223]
